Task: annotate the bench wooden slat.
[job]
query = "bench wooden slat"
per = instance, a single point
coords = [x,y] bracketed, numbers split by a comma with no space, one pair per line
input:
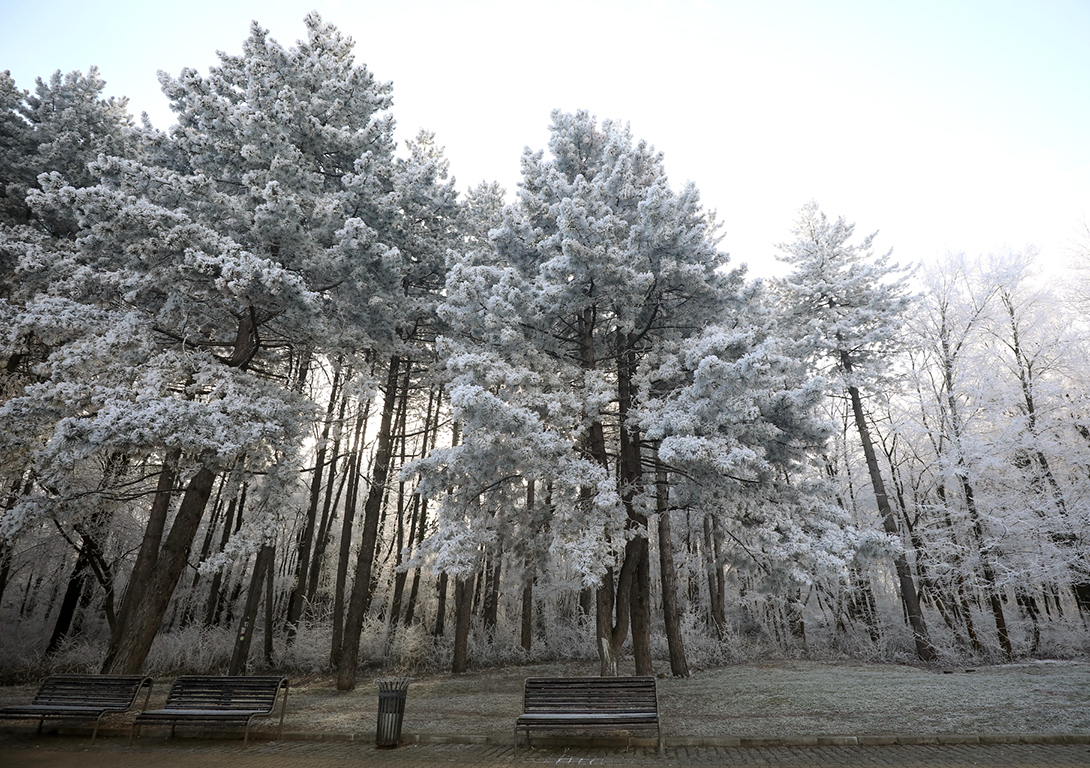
[577,703]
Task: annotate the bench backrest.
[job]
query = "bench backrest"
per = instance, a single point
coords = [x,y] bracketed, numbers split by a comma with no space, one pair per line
[589,694]
[244,693]
[108,691]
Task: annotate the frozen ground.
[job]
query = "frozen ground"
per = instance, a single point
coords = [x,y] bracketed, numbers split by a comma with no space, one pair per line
[782,698]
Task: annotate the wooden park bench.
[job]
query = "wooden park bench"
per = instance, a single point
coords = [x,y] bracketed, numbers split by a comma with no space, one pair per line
[80,698]
[582,703]
[217,701]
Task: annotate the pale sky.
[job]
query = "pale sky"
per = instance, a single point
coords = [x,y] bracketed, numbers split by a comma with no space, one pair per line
[943,124]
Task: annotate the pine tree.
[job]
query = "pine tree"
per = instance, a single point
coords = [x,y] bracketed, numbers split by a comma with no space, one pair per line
[204,276]
[596,266]
[843,304]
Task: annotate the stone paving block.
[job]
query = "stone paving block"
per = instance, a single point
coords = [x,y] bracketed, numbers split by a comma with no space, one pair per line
[341,751]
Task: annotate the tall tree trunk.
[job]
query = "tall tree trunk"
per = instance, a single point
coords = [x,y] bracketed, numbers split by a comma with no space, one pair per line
[270,573]
[212,609]
[329,506]
[427,443]
[679,665]
[441,605]
[861,604]
[716,597]
[143,609]
[6,546]
[414,591]
[262,563]
[354,473]
[361,587]
[90,562]
[5,566]
[441,585]
[206,549]
[401,575]
[490,614]
[631,476]
[527,634]
[67,612]
[397,543]
[306,536]
[641,609]
[463,615]
[613,602]
[909,597]
[614,607]
[149,551]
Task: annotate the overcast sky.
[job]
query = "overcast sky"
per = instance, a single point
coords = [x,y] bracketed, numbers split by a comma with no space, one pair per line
[944,125]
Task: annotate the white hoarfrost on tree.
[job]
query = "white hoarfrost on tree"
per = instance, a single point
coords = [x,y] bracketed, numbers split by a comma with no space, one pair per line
[996,372]
[577,343]
[844,306]
[229,351]
[181,316]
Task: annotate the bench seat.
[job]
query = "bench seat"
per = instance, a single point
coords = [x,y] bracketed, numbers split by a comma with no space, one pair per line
[592,717]
[194,714]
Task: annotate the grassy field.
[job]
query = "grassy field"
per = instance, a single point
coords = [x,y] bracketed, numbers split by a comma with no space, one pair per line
[781,698]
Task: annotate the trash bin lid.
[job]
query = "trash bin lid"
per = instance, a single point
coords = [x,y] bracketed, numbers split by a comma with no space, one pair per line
[386,684]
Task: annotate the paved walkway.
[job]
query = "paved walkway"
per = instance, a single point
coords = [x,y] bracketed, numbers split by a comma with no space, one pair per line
[24,751]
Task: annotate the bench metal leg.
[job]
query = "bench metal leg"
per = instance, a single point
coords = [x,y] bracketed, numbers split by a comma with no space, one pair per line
[283,711]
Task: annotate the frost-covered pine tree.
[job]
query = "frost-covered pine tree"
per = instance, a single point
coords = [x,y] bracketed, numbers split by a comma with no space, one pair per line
[59,128]
[844,305]
[182,316]
[736,418]
[560,328]
[422,221]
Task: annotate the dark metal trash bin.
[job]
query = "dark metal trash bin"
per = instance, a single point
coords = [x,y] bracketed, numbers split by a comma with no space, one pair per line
[391,710]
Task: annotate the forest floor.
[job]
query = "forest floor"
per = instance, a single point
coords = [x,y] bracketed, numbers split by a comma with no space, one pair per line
[769,699]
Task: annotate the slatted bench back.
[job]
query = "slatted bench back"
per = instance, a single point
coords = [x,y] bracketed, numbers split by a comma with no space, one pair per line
[587,695]
[225,693]
[106,691]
